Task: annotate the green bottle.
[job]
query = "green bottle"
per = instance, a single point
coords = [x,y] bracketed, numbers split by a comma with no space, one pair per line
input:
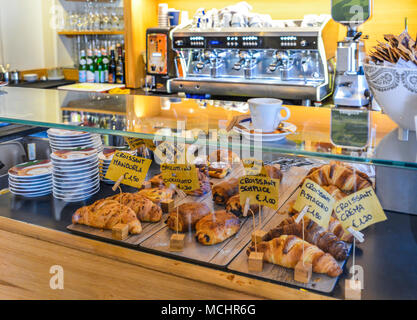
[90,66]
[99,70]
[106,61]
[82,69]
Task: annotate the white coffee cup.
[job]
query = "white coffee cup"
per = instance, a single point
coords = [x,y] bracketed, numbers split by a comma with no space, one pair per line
[266,113]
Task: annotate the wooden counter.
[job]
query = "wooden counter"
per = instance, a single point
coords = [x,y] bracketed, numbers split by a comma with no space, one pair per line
[98,270]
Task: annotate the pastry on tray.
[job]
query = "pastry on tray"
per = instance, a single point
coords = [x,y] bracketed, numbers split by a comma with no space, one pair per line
[224,155]
[273,172]
[219,170]
[224,190]
[157,181]
[313,233]
[334,227]
[157,195]
[106,214]
[233,206]
[144,208]
[340,175]
[188,215]
[216,227]
[287,251]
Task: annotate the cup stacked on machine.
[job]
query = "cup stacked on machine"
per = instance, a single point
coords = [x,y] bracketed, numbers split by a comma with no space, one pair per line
[163,19]
[105,157]
[31,179]
[68,140]
[75,174]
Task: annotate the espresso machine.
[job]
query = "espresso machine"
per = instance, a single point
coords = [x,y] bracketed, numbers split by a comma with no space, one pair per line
[160,66]
[288,62]
[351,87]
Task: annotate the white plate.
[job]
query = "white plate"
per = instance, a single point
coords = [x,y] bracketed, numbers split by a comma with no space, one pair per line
[30,186]
[76,190]
[74,175]
[32,195]
[289,128]
[66,133]
[76,198]
[31,170]
[83,153]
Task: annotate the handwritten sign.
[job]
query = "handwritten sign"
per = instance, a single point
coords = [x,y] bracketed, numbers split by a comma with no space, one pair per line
[135,143]
[184,176]
[319,202]
[360,210]
[261,190]
[132,168]
[253,167]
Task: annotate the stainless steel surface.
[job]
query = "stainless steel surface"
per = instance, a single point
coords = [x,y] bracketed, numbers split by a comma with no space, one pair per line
[294,61]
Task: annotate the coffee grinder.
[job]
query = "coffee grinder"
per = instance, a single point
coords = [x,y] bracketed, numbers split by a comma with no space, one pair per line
[351,87]
[160,66]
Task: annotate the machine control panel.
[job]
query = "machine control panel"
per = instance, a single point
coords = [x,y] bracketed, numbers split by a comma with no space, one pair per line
[246,42]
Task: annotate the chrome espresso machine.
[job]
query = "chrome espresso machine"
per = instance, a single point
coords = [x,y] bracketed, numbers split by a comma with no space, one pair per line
[291,62]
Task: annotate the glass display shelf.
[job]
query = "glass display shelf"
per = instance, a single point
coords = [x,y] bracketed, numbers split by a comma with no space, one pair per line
[346,135]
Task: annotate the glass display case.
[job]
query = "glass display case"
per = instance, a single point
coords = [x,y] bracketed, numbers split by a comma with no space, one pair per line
[329,146]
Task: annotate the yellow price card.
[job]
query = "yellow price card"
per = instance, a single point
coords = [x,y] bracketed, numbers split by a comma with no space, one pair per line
[184,176]
[132,168]
[135,143]
[360,210]
[260,190]
[320,203]
[253,167]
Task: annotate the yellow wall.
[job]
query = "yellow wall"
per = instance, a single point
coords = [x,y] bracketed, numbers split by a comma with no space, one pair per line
[388,15]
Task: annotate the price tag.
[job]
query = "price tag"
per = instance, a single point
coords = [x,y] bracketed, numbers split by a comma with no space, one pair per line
[359,210]
[135,143]
[132,168]
[253,167]
[184,176]
[319,202]
[260,190]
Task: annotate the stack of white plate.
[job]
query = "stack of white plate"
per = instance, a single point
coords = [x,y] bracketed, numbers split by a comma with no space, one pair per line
[31,179]
[75,174]
[163,20]
[68,140]
[105,158]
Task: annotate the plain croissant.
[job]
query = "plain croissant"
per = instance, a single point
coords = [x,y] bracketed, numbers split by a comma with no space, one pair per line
[105,214]
[287,251]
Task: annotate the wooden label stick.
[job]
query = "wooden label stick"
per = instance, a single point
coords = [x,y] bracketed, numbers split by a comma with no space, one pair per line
[255,262]
[302,270]
[177,239]
[259,234]
[117,184]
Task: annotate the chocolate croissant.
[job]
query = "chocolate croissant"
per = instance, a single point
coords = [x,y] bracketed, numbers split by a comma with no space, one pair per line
[233,206]
[224,190]
[314,234]
[287,251]
[216,227]
[188,215]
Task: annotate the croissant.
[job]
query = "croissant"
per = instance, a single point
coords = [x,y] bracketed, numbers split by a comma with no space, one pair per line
[188,215]
[205,185]
[156,195]
[273,172]
[216,227]
[314,234]
[106,214]
[287,251]
[346,178]
[224,190]
[233,206]
[145,209]
[334,227]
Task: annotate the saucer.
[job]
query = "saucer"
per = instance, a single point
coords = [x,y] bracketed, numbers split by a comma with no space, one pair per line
[246,129]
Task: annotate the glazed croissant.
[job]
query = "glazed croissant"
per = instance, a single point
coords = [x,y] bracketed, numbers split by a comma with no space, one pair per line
[188,215]
[334,227]
[145,209]
[216,227]
[313,233]
[105,214]
[287,251]
[224,190]
[340,175]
